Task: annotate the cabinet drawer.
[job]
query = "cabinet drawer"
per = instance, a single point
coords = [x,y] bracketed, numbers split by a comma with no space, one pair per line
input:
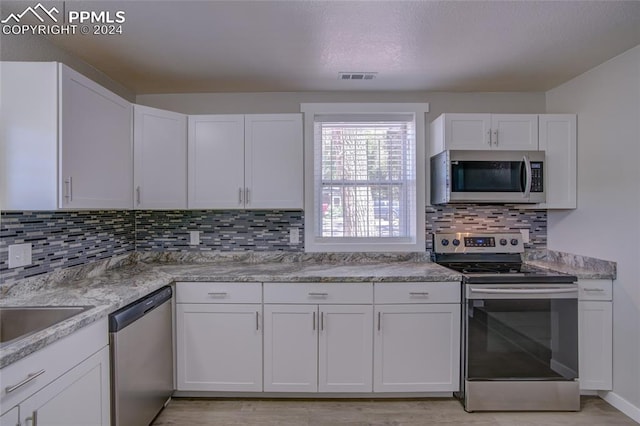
[222,292]
[51,362]
[434,292]
[318,293]
[595,289]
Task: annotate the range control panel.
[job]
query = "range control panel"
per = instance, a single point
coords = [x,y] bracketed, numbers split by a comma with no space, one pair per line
[478,242]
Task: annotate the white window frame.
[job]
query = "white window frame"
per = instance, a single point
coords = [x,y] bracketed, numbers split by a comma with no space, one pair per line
[313,243]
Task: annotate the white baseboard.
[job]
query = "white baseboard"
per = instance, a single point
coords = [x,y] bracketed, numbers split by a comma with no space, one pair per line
[621,404]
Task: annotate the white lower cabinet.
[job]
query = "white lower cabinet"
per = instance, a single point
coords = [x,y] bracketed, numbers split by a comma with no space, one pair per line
[595,355]
[63,384]
[417,338]
[219,336]
[312,343]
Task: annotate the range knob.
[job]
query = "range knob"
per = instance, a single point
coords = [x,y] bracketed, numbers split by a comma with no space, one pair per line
[503,241]
[456,242]
[444,242]
[514,242]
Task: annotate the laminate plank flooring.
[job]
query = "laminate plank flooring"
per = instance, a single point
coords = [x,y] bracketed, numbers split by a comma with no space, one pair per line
[417,412]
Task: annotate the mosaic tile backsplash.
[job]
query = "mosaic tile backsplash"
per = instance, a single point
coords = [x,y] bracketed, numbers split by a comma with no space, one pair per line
[65,239]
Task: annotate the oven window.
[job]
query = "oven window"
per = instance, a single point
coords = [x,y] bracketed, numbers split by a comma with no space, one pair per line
[522,339]
[487,176]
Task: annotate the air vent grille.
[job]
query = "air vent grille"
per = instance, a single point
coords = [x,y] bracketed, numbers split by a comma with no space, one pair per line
[357,75]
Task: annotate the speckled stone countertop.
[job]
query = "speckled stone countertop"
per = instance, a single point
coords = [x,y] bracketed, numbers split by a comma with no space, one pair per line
[112,284]
[583,267]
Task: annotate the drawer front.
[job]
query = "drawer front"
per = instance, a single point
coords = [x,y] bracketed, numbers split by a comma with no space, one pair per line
[42,367]
[433,292]
[222,292]
[595,289]
[318,293]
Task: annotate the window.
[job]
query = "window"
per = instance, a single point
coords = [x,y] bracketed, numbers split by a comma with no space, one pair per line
[365,185]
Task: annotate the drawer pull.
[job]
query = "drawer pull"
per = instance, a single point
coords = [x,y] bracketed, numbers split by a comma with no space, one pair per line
[218,294]
[314,321]
[419,293]
[598,290]
[29,378]
[321,321]
[318,294]
[257,321]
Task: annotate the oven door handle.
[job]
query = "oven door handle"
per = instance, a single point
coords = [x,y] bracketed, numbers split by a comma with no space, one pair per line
[523,290]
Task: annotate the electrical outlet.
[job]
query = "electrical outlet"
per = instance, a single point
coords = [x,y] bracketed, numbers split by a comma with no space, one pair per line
[525,235]
[194,238]
[19,255]
[294,235]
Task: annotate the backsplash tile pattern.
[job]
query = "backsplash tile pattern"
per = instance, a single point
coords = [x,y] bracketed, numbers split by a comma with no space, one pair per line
[64,239]
[221,230]
[492,218]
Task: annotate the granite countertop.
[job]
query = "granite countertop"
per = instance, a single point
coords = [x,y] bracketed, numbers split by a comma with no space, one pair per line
[110,285]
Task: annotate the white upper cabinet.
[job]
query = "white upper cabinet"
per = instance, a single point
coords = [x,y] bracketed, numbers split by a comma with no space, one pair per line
[273,161]
[160,159]
[65,140]
[558,140]
[517,132]
[245,161]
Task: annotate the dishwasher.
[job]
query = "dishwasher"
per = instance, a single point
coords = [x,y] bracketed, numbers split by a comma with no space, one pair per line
[141,354]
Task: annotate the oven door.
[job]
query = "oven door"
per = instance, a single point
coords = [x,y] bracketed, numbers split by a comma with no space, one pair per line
[521,332]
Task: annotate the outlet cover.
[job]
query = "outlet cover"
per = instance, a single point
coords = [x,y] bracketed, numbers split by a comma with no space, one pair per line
[194,238]
[525,235]
[19,255]
[294,235]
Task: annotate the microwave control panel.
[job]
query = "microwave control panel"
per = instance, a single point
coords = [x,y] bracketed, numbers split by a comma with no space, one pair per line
[537,177]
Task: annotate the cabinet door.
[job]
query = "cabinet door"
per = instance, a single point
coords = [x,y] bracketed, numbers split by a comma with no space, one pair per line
[219,347]
[273,161]
[78,398]
[160,154]
[290,348]
[216,162]
[558,140]
[595,356]
[467,131]
[417,348]
[96,153]
[345,348]
[517,132]
[10,418]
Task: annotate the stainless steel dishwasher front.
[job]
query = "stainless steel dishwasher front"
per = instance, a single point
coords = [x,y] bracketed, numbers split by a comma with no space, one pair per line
[141,345]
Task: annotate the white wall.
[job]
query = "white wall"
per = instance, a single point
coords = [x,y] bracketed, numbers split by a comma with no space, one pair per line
[606,224]
[287,102]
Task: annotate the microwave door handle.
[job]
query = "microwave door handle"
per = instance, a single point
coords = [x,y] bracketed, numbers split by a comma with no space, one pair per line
[528,177]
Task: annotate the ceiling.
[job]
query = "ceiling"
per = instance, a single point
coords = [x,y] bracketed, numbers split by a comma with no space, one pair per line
[263,46]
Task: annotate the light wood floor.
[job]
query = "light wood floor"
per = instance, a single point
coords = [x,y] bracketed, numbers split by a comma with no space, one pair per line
[436,411]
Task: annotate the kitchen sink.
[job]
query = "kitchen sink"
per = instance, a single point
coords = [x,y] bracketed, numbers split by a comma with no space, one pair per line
[18,322]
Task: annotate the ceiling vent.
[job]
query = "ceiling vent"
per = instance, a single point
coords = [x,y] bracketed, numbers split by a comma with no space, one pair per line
[357,75]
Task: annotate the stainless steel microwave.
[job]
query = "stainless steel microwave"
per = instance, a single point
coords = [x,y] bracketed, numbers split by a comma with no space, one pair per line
[509,177]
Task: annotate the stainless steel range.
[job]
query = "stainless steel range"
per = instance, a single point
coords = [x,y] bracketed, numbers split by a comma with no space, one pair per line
[520,326]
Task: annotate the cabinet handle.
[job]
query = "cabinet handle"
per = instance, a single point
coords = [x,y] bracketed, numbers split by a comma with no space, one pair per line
[598,290]
[321,321]
[29,378]
[257,321]
[495,133]
[314,321]
[138,195]
[489,137]
[379,319]
[246,195]
[69,185]
[318,294]
[218,294]
[33,419]
[419,293]
[239,195]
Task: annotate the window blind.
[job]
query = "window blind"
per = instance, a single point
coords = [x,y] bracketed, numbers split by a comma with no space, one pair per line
[364,175]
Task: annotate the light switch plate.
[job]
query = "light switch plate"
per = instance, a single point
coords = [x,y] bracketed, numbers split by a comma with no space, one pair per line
[525,235]
[194,238]
[19,255]
[294,235]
